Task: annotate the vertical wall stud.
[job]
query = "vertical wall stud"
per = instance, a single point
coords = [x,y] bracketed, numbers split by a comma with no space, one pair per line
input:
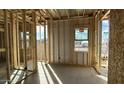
[7,44]
[24,36]
[45,40]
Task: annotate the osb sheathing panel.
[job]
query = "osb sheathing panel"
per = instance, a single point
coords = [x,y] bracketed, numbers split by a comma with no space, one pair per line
[67,41]
[61,43]
[51,49]
[116,47]
[55,40]
[62,32]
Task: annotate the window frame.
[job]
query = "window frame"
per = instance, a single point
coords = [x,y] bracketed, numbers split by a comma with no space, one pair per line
[81,39]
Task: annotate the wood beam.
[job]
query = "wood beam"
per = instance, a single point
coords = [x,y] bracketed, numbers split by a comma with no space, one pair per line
[104,16]
[57,12]
[11,33]
[67,13]
[43,10]
[42,17]
[49,13]
[97,13]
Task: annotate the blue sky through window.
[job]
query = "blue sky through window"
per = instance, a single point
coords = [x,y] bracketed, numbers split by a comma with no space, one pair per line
[40,32]
[105,30]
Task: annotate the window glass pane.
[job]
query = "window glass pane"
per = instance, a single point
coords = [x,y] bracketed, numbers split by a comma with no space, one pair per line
[81,35]
[81,40]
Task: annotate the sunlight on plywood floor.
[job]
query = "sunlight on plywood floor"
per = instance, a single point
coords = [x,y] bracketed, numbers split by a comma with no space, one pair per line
[65,74]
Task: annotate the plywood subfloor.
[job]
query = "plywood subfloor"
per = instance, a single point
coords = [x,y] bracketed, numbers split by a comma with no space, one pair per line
[65,74]
[3,73]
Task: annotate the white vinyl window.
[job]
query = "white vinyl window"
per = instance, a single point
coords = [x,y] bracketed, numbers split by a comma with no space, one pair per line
[81,39]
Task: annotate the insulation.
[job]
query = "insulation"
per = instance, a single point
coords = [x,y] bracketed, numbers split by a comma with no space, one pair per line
[116,47]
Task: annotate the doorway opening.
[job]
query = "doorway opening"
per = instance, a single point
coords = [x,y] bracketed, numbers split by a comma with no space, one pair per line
[104,47]
[42,42]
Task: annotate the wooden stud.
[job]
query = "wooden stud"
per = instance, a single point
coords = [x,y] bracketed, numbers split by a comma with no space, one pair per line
[13,22]
[11,39]
[18,46]
[45,41]
[49,43]
[52,41]
[58,41]
[34,40]
[7,44]
[24,36]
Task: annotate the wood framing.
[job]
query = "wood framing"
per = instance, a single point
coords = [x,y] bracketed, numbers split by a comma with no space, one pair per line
[51,16]
[105,15]
[45,41]
[34,40]
[7,44]
[42,16]
[24,36]
[57,12]
[67,13]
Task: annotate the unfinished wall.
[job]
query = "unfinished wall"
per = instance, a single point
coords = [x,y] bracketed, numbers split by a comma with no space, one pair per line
[116,47]
[61,42]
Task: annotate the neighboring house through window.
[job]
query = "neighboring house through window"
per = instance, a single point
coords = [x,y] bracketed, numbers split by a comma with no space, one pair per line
[81,39]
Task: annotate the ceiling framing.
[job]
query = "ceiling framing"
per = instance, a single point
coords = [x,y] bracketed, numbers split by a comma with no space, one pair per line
[60,14]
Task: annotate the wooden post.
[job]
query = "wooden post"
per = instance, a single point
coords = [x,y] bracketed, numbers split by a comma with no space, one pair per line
[7,44]
[34,40]
[18,46]
[45,41]
[24,36]
[48,33]
[99,41]
[11,33]
[40,42]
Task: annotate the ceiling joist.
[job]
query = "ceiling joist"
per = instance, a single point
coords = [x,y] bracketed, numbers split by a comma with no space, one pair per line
[57,12]
[49,13]
[67,13]
[42,17]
